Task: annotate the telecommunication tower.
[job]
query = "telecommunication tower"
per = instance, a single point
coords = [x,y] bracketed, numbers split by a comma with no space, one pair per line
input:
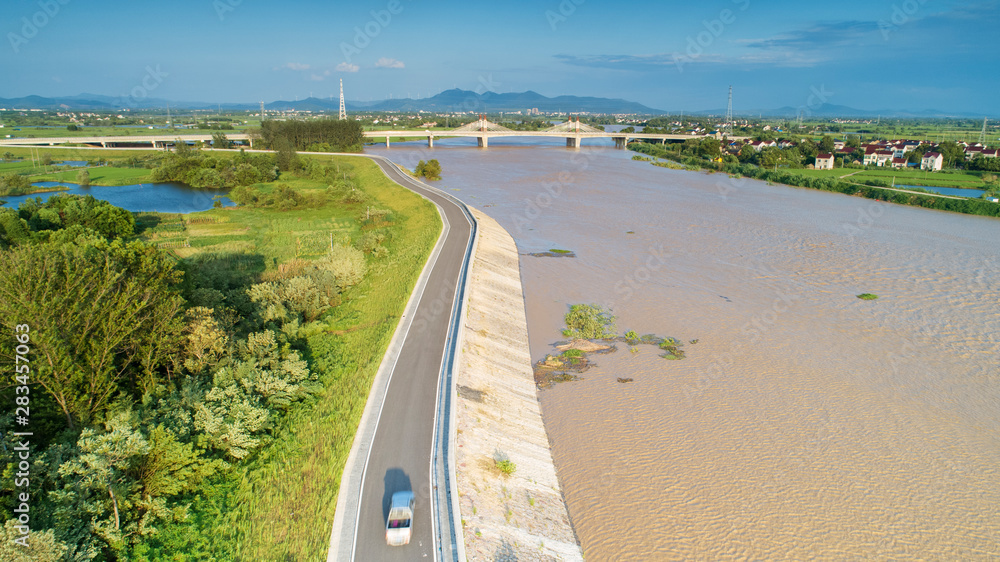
[729,115]
[343,110]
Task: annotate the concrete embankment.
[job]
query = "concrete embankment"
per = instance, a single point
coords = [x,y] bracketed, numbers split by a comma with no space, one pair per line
[521,515]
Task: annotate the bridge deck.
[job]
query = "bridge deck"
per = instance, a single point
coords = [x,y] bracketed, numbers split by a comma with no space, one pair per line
[169,139]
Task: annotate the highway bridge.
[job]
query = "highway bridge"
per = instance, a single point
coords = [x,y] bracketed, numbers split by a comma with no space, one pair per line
[482,130]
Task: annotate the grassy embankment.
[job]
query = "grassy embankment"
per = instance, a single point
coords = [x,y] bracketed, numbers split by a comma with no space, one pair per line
[848,186]
[280,505]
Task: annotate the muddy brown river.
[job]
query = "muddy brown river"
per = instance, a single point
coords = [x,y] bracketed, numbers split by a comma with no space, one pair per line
[805,422]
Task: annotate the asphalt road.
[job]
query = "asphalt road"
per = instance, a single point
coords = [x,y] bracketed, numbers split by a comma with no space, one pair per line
[402,449]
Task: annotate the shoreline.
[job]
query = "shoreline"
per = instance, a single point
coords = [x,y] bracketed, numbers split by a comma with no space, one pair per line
[522,515]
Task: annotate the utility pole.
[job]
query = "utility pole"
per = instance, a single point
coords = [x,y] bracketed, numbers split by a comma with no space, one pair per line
[343,110]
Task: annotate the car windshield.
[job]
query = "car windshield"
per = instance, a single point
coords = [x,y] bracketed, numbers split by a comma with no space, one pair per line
[397,523]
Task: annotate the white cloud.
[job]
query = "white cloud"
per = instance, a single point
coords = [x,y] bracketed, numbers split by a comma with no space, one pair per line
[386,62]
[319,77]
[296,66]
[347,67]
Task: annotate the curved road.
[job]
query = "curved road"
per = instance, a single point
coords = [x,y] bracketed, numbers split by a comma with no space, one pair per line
[405,452]
[401,455]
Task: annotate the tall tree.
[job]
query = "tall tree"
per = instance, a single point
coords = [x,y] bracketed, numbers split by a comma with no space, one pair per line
[100,315]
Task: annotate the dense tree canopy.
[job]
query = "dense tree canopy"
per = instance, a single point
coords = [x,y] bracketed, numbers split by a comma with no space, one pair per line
[144,384]
[336,135]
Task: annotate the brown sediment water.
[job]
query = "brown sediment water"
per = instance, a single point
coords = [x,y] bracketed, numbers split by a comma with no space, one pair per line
[805,422]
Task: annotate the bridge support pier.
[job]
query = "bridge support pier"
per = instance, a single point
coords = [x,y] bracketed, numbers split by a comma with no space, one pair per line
[573,142]
[483,141]
[105,145]
[387,142]
[430,141]
[621,142]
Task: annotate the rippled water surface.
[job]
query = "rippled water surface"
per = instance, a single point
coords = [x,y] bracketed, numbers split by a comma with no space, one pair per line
[805,422]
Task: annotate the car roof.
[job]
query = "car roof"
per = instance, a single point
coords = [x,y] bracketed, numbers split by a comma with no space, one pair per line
[402,499]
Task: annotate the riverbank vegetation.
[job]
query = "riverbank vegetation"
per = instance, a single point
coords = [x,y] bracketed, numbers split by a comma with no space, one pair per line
[430,170]
[198,378]
[704,158]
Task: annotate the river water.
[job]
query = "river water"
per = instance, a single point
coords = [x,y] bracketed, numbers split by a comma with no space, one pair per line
[805,422]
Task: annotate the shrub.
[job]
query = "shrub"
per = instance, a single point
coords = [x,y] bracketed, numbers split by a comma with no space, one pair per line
[370,240]
[346,264]
[589,321]
[503,463]
[14,184]
[355,196]
[867,296]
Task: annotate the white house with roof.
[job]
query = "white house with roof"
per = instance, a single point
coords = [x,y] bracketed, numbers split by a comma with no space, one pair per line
[824,161]
[877,157]
[931,161]
[761,145]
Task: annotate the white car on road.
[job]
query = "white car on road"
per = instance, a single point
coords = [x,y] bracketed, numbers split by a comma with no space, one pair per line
[400,521]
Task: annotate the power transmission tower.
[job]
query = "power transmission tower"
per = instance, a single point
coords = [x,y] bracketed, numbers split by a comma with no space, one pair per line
[982,134]
[343,110]
[262,110]
[729,115]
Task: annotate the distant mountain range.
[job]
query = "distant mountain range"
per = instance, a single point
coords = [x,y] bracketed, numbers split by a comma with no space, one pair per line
[487,102]
[456,100]
[449,100]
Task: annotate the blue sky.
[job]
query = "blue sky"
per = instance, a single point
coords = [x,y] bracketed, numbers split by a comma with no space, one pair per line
[911,54]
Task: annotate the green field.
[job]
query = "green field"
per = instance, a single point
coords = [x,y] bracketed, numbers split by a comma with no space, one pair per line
[960,179]
[280,505]
[71,153]
[100,175]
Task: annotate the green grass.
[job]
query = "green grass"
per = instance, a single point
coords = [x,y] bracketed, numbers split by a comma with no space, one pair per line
[74,153]
[950,178]
[558,251]
[17,167]
[867,296]
[100,175]
[282,501]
